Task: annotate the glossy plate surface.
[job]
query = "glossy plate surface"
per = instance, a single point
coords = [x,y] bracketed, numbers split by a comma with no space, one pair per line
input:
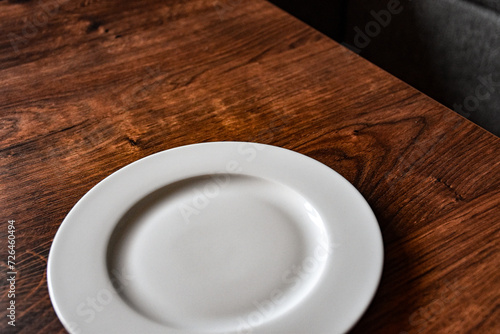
[224,237]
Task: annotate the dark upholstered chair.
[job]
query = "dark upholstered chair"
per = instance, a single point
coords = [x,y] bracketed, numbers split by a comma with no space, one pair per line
[448,49]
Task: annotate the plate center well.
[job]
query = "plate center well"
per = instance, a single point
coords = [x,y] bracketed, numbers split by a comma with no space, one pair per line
[218,252]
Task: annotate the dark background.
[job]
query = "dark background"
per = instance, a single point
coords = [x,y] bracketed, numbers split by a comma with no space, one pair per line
[448,49]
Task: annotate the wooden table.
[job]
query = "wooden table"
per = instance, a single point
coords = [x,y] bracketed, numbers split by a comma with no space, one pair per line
[87,87]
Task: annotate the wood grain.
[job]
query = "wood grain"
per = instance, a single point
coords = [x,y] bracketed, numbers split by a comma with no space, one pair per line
[101,84]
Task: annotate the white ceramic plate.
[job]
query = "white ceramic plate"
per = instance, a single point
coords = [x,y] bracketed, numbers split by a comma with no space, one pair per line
[222,237]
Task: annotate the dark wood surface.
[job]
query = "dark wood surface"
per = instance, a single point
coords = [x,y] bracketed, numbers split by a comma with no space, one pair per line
[95,85]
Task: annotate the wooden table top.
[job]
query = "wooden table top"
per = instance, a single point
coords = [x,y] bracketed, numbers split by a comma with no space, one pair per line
[87,87]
